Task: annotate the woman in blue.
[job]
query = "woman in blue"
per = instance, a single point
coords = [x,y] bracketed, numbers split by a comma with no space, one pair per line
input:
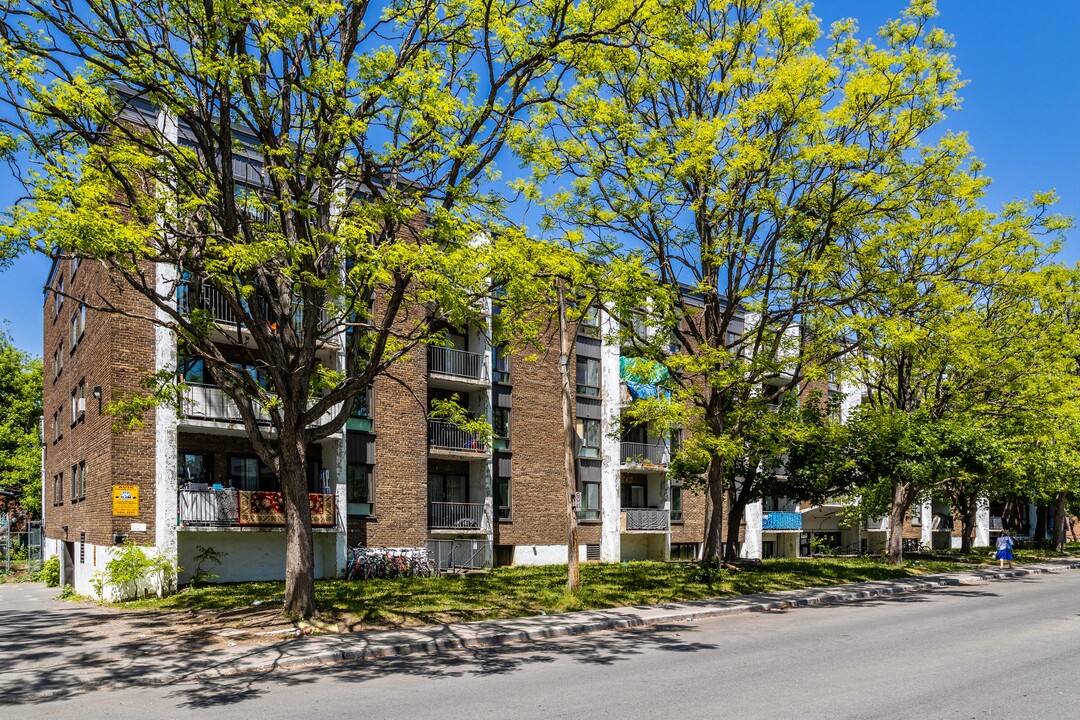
[1004,549]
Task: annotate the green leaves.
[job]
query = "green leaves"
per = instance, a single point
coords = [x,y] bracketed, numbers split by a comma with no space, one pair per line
[20,413]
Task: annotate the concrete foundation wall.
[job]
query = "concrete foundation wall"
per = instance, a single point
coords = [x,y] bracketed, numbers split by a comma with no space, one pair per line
[253,555]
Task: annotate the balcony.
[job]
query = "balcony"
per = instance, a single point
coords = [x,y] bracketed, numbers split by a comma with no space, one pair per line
[445,438]
[458,366]
[646,457]
[781,521]
[457,516]
[201,507]
[877,524]
[216,303]
[644,520]
[942,523]
[209,402]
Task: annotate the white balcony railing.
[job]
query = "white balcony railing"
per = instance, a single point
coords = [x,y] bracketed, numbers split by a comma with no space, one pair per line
[209,402]
[643,454]
[456,516]
[458,363]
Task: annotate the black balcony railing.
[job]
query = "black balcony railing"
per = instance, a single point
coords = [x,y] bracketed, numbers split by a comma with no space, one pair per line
[456,516]
[448,436]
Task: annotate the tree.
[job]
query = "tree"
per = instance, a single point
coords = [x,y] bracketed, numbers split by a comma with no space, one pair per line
[20,418]
[745,155]
[315,173]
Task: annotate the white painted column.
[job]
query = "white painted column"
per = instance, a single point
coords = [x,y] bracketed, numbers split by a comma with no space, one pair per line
[339,480]
[927,515]
[751,547]
[982,523]
[610,410]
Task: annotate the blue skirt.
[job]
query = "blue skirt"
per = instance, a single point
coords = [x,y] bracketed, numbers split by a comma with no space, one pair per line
[1004,554]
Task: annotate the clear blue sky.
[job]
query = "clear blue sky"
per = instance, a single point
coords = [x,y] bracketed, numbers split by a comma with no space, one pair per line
[1020,110]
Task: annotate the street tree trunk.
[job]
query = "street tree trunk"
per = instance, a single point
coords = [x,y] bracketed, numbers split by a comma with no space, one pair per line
[735,512]
[968,511]
[299,551]
[903,494]
[1059,522]
[573,572]
[714,521]
[1040,523]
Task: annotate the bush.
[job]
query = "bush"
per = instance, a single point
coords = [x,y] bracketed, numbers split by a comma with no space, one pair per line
[50,572]
[131,573]
[204,554]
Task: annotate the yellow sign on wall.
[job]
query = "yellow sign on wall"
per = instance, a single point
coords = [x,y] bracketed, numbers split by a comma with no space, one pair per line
[125,500]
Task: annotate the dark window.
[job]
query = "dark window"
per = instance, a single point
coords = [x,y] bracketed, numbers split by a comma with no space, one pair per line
[247,472]
[500,364]
[676,504]
[588,438]
[448,488]
[588,377]
[633,496]
[590,501]
[362,416]
[191,370]
[194,467]
[500,425]
[686,552]
[502,498]
[360,489]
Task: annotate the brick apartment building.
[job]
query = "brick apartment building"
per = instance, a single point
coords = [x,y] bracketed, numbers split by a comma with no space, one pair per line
[188,478]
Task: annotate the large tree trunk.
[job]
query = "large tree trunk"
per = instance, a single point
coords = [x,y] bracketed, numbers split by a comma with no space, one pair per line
[903,493]
[299,551]
[573,572]
[968,513]
[1059,522]
[714,520]
[736,509]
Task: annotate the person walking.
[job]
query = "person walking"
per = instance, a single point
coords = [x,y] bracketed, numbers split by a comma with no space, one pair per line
[1004,549]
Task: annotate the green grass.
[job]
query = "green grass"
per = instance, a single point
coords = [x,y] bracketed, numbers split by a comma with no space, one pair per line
[523,591]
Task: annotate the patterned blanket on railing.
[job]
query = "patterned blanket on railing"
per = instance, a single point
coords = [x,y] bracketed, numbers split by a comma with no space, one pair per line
[267,508]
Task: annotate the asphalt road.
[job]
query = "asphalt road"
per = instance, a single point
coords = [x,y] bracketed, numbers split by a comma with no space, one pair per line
[1005,649]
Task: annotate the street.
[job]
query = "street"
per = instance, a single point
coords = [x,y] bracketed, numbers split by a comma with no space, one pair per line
[1004,649]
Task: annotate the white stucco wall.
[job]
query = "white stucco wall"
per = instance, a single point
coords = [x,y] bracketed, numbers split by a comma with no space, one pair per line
[751,547]
[610,397]
[255,555]
[532,555]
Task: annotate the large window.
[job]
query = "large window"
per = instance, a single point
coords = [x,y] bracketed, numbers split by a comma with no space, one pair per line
[246,472]
[448,488]
[500,425]
[362,417]
[191,370]
[500,364]
[194,467]
[502,498]
[588,377]
[633,495]
[588,432]
[360,489]
[590,501]
[676,504]
[590,322]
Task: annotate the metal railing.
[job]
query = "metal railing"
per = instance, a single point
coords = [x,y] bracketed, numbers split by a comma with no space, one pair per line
[460,554]
[775,520]
[216,303]
[942,522]
[459,363]
[448,436]
[456,516]
[209,402]
[643,454]
[209,507]
[646,519]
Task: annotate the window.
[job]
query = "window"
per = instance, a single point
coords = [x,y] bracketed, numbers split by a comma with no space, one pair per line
[500,425]
[58,360]
[916,516]
[633,495]
[360,490]
[57,433]
[687,552]
[191,370]
[58,297]
[78,481]
[588,432]
[58,489]
[676,504]
[448,488]
[588,377]
[74,331]
[590,322]
[361,417]
[500,364]
[590,501]
[74,266]
[502,498]
[78,402]
[246,472]
[194,467]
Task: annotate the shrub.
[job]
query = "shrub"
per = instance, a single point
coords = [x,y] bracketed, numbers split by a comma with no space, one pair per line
[204,554]
[50,572]
[131,573]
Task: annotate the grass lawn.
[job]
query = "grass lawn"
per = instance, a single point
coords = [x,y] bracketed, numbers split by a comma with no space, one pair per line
[522,591]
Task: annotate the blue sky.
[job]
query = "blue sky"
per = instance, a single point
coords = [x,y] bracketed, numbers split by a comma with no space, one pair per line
[1020,111]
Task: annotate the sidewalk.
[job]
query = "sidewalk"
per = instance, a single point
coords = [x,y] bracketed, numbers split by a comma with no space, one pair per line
[50,648]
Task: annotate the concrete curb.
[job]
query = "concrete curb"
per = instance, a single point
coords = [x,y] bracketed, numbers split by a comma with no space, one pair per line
[488,634]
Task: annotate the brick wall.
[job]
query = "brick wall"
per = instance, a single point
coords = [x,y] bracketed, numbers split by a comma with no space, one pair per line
[114,353]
